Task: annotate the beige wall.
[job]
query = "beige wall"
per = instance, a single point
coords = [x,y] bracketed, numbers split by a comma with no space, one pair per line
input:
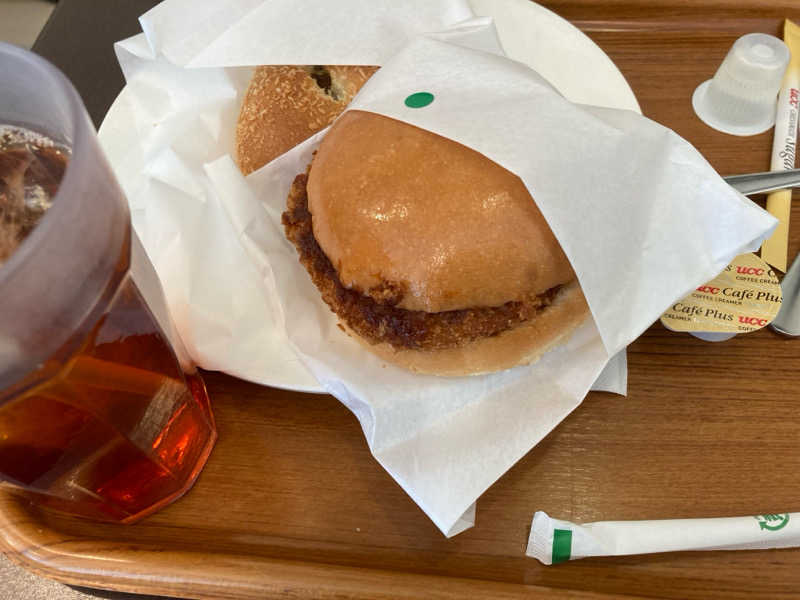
[22,20]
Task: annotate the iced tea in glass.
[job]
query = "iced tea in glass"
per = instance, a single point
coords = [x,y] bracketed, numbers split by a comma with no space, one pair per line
[101,413]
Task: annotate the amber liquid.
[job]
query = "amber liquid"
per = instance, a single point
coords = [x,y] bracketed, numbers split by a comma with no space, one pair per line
[118,430]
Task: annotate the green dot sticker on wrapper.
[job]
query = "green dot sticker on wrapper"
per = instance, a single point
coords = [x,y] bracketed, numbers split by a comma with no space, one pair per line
[419,99]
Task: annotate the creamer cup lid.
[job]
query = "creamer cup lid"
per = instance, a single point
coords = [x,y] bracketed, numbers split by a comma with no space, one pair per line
[745,297]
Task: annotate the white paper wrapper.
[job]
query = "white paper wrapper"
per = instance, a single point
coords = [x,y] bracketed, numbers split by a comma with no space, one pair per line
[169,123]
[446,440]
[639,212]
[553,541]
[288,32]
[214,240]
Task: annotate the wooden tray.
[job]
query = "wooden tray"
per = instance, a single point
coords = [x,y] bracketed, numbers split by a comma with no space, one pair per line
[292,505]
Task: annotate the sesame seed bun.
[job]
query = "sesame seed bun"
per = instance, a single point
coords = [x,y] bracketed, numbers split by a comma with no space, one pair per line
[285,105]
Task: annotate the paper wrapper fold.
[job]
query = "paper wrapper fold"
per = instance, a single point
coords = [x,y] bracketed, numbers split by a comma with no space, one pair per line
[641,215]
[288,32]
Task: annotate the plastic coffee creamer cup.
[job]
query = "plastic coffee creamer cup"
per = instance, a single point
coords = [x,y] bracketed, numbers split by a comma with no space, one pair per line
[745,297]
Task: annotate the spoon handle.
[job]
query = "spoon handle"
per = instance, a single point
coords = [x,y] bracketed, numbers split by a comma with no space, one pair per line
[759,183]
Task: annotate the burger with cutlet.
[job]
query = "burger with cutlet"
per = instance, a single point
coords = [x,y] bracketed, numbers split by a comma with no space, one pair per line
[431,255]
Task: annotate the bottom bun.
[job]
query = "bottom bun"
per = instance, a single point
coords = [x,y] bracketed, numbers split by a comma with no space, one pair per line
[521,345]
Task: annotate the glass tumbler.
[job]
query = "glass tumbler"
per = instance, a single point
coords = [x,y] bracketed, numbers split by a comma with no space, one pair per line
[101,413]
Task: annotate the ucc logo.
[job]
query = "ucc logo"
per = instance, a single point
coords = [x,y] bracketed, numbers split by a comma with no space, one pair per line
[753,321]
[749,271]
[708,289]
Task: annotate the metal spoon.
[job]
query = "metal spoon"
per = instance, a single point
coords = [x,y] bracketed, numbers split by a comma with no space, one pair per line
[759,183]
[788,320]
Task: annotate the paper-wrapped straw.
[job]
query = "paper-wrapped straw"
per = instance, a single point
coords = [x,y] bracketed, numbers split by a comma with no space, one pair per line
[553,541]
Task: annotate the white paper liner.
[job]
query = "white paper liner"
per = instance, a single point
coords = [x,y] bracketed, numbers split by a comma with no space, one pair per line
[288,32]
[167,124]
[444,440]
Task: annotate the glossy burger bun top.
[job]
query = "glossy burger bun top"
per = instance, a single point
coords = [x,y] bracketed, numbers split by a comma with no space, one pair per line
[393,203]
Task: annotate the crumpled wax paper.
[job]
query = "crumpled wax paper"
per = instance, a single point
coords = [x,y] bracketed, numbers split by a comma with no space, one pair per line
[629,201]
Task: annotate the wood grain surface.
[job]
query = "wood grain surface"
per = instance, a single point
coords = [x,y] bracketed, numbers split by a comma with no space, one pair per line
[291,503]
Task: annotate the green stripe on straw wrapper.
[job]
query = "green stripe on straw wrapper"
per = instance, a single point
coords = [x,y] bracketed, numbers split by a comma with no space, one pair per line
[562,545]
